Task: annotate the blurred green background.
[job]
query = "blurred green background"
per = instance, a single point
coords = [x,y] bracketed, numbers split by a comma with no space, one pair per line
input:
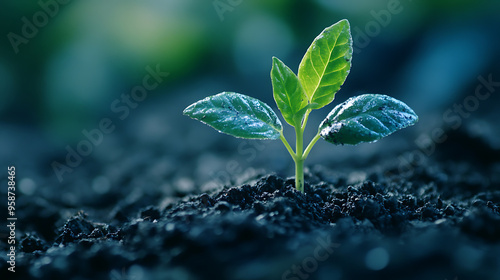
[62,63]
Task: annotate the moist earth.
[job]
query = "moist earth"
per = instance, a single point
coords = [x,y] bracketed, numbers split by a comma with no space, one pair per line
[439,221]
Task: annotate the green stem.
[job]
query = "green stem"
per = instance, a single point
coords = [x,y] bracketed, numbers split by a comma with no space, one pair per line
[300,155]
[283,139]
[299,159]
[299,175]
[311,144]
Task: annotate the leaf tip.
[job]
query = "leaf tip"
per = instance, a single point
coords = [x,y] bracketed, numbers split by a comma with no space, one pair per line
[276,60]
[187,110]
[345,21]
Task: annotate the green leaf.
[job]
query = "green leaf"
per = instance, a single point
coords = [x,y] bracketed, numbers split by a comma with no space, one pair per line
[288,92]
[366,118]
[237,115]
[327,63]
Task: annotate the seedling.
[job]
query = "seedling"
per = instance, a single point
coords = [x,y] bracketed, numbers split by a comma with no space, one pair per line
[322,71]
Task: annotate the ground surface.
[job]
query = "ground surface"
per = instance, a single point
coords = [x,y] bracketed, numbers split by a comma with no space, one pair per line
[159,208]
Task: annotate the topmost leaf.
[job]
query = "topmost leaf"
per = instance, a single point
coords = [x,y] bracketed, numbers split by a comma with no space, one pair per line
[327,63]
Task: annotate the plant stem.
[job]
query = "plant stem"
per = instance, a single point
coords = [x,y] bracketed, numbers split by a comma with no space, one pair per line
[283,139]
[311,144]
[299,175]
[299,156]
[299,159]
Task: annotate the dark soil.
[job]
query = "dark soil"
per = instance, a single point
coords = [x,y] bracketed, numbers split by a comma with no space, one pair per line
[390,229]
[137,214]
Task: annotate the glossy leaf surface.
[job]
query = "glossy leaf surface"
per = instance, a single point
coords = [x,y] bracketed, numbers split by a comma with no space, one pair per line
[327,63]
[366,118]
[237,115]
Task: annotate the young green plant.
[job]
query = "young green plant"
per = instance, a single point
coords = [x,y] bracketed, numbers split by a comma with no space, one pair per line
[322,71]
